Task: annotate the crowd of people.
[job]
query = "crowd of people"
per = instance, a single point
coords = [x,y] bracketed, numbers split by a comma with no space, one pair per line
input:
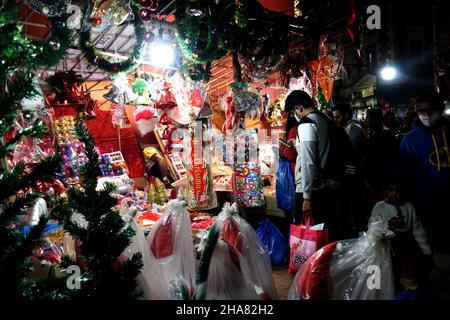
[402,179]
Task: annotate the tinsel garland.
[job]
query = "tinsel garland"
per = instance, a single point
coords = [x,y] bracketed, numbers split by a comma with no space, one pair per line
[55,8]
[240,15]
[190,31]
[131,63]
[19,50]
[323,103]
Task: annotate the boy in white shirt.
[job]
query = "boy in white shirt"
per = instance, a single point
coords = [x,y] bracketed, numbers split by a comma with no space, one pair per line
[410,247]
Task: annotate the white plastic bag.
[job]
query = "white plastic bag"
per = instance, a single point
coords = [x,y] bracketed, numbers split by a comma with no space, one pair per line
[355,269]
[225,280]
[253,257]
[172,256]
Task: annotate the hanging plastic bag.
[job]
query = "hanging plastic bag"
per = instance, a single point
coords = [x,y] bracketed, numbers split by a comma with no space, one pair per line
[139,245]
[274,241]
[355,269]
[172,256]
[250,258]
[285,186]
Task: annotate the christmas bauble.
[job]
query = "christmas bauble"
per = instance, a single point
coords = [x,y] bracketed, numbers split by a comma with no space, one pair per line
[54,44]
[145,15]
[45,10]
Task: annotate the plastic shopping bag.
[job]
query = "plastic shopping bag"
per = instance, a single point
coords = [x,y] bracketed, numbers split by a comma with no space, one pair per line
[172,257]
[274,241]
[285,187]
[304,241]
[355,269]
[238,264]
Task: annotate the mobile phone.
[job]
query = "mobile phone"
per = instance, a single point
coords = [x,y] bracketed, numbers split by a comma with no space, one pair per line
[286,143]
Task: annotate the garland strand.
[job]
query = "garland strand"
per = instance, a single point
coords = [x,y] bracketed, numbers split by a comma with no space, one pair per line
[19,50]
[190,31]
[92,56]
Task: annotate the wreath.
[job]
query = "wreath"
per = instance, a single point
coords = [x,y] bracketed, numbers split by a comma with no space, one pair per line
[93,57]
[191,31]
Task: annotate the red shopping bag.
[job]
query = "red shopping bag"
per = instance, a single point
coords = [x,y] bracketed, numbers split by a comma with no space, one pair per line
[304,241]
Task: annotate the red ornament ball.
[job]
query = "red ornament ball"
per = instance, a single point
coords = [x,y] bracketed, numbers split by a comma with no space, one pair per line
[145,15]
[95,21]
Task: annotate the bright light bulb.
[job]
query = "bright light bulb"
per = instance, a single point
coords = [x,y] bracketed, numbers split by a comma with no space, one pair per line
[161,53]
[388,73]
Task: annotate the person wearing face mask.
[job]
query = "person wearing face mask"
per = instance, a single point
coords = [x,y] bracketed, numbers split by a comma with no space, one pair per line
[424,165]
[313,196]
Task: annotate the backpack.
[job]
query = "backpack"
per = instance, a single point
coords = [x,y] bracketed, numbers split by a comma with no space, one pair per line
[341,160]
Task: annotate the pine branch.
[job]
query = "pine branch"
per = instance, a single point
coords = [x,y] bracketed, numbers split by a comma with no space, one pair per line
[34,131]
[14,180]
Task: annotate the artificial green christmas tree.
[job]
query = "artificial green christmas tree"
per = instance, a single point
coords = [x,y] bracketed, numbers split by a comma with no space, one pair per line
[16,83]
[90,218]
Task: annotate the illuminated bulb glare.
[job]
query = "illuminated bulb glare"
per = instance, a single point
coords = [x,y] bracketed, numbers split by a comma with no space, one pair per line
[161,54]
[388,73]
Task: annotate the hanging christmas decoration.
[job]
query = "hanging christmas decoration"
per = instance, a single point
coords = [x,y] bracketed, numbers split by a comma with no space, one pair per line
[117,13]
[49,8]
[65,84]
[54,44]
[199,38]
[166,99]
[131,63]
[149,36]
[145,14]
[240,15]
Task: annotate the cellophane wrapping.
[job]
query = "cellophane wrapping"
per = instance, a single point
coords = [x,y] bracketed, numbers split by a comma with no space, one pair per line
[172,266]
[354,269]
[251,258]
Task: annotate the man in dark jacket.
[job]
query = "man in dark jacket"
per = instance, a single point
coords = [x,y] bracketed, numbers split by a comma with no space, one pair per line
[424,165]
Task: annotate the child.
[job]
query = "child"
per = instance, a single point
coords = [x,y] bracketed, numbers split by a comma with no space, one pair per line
[409,247]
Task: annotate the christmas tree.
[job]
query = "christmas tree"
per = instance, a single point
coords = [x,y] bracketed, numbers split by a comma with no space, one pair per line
[17,181]
[90,218]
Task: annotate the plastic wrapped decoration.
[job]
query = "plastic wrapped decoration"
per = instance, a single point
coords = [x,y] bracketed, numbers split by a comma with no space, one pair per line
[355,269]
[240,264]
[198,162]
[172,256]
[247,181]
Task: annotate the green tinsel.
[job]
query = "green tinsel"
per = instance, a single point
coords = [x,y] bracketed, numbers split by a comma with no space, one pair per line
[323,103]
[92,56]
[191,30]
[141,87]
[18,50]
[240,15]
